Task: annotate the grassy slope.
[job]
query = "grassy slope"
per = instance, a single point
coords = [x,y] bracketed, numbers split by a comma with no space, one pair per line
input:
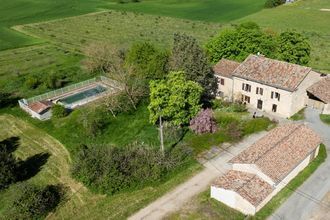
[20,12]
[24,12]
[18,64]
[325,118]
[118,28]
[304,16]
[204,207]
[80,203]
[206,10]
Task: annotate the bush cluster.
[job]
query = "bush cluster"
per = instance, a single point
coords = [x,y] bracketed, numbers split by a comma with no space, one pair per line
[59,111]
[274,3]
[9,166]
[112,169]
[204,122]
[32,202]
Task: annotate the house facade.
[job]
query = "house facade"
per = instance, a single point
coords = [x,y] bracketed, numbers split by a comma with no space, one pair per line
[266,167]
[267,85]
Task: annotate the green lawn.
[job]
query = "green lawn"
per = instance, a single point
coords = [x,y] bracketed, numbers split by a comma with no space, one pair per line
[37,61]
[325,118]
[206,10]
[303,16]
[204,207]
[79,203]
[298,116]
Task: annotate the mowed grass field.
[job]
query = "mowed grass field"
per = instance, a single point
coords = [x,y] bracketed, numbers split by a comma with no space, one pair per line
[307,17]
[18,12]
[79,202]
[118,28]
[23,12]
[206,10]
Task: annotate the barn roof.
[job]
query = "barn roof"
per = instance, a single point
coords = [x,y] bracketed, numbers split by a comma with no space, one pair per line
[281,150]
[271,72]
[249,186]
[321,90]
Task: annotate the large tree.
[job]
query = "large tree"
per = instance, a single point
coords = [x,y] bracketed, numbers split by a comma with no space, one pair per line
[238,43]
[8,167]
[175,99]
[293,48]
[148,61]
[247,38]
[188,56]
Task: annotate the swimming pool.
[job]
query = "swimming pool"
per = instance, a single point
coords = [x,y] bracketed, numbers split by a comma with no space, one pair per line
[82,95]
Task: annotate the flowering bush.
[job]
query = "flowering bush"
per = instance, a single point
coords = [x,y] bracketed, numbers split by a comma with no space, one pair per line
[204,122]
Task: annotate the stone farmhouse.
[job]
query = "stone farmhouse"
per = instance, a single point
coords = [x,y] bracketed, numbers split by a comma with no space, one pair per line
[263,169]
[268,85]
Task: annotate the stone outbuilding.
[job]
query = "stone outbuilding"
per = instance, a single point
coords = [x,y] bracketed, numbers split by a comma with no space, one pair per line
[263,169]
[319,95]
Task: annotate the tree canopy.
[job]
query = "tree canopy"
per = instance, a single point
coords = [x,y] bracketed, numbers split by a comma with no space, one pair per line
[188,56]
[247,38]
[149,61]
[175,99]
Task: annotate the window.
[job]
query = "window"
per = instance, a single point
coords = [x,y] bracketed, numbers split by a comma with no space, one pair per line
[222,81]
[246,99]
[259,104]
[276,95]
[274,108]
[246,87]
[260,91]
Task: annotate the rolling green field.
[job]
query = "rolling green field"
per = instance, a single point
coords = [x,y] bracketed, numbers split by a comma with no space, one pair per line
[206,10]
[18,12]
[118,28]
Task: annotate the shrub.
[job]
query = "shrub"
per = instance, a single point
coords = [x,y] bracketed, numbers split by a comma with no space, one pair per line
[32,202]
[8,167]
[274,3]
[234,131]
[32,82]
[111,170]
[204,122]
[59,111]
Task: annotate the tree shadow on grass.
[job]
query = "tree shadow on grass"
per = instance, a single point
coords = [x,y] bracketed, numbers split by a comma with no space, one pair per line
[10,144]
[32,166]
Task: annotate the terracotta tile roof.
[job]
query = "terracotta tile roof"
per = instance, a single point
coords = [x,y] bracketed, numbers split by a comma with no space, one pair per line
[272,72]
[281,150]
[321,90]
[40,106]
[247,185]
[225,67]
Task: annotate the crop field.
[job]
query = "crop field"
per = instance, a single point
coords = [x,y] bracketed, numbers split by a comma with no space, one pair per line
[118,28]
[307,17]
[79,202]
[206,10]
[18,64]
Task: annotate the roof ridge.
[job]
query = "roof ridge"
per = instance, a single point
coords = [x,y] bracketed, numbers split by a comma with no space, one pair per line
[278,142]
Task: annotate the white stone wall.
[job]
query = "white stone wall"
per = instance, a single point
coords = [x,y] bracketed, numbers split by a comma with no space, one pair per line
[283,106]
[326,109]
[299,97]
[233,200]
[226,89]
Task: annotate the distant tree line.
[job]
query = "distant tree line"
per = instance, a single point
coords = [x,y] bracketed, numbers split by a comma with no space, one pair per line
[248,38]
